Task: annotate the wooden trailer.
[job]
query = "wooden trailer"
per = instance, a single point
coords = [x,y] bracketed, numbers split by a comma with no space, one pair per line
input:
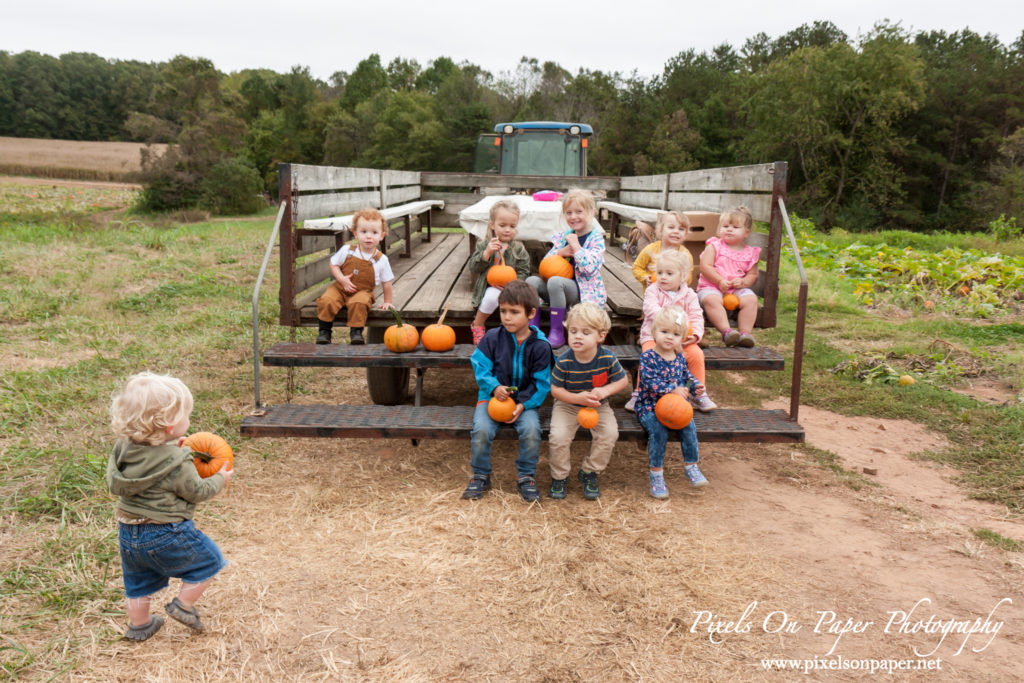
[431,275]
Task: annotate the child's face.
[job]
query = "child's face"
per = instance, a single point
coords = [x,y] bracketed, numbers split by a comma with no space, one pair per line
[670,277]
[369,234]
[672,232]
[504,226]
[583,338]
[577,218]
[514,317]
[667,337]
[176,431]
[732,231]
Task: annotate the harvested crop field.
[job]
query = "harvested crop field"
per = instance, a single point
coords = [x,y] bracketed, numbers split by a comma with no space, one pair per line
[74,159]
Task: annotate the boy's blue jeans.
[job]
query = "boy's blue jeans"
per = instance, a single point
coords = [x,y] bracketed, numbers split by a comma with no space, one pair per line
[657,438]
[484,429]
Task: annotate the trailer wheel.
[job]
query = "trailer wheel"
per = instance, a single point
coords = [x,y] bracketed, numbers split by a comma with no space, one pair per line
[388,386]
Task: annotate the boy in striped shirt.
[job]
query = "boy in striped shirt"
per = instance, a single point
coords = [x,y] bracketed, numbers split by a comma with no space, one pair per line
[584,375]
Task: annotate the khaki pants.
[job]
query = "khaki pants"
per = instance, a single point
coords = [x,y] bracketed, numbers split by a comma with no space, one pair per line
[563,429]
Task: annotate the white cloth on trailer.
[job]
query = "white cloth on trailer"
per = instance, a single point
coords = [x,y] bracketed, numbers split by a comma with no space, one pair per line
[537,220]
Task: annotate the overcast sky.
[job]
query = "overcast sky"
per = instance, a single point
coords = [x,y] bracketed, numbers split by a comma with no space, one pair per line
[334,35]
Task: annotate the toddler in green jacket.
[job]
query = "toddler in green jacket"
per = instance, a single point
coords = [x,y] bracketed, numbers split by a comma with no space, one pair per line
[157,485]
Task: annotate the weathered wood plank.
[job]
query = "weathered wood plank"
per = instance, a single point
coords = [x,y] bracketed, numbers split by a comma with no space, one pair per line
[307,178]
[456,422]
[310,244]
[756,178]
[312,273]
[334,204]
[758,204]
[460,298]
[644,182]
[651,200]
[391,178]
[420,273]
[400,195]
[429,300]
[437,179]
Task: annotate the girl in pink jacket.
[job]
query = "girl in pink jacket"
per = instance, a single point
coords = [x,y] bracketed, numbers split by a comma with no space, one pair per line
[672,271]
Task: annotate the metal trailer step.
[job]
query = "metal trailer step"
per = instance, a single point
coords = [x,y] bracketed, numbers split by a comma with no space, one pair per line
[377,355]
[456,422]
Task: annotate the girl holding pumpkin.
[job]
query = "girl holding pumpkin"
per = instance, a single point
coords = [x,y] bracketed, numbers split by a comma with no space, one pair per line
[155,479]
[583,247]
[497,262]
[728,270]
[663,371]
[670,232]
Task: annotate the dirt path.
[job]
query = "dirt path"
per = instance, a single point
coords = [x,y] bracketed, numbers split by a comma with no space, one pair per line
[357,560]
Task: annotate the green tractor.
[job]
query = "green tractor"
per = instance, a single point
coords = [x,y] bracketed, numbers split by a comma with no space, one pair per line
[548,148]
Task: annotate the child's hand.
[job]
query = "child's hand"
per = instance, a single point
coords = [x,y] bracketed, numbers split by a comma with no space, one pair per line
[226,473]
[515,415]
[493,247]
[386,306]
[723,286]
[648,280]
[736,283]
[501,393]
[346,283]
[181,441]
[573,242]
[692,339]
[590,398]
[700,390]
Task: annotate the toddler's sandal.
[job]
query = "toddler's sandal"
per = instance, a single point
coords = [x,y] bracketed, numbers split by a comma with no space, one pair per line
[140,633]
[189,617]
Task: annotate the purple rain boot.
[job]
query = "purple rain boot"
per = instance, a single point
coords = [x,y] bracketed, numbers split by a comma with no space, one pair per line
[556,337]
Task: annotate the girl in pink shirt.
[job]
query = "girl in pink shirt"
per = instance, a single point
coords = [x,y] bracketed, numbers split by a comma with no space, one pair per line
[670,289]
[728,265]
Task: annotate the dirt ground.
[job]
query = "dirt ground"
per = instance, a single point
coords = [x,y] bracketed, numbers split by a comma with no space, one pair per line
[357,560]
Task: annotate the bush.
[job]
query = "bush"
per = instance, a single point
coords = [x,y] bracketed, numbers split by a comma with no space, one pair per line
[232,186]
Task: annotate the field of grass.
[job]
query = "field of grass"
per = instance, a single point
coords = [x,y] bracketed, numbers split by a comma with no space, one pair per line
[72,159]
[83,306]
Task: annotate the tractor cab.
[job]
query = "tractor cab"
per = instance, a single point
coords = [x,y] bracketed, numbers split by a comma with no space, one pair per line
[548,148]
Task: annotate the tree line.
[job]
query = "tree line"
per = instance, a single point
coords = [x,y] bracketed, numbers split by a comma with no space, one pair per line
[923,130]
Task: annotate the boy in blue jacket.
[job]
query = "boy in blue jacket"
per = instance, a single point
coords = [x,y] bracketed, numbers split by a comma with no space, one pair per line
[511,360]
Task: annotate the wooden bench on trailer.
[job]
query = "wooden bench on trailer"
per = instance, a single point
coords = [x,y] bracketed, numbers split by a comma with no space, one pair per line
[434,276]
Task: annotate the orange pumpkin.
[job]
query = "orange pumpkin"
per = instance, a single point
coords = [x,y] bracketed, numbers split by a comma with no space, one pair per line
[501,411]
[499,276]
[731,302]
[438,337]
[210,453]
[555,265]
[673,411]
[400,337]
[587,417]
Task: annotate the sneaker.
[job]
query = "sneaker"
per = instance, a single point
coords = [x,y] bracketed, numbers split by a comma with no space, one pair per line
[590,488]
[558,488]
[746,340]
[528,488]
[477,485]
[145,632]
[703,403]
[478,333]
[324,337]
[695,476]
[631,403]
[658,488]
[355,336]
[731,337]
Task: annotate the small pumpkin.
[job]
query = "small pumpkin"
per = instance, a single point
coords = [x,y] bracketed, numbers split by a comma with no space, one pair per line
[400,337]
[731,302]
[210,453]
[438,337]
[587,417]
[501,411]
[501,275]
[673,411]
[554,265]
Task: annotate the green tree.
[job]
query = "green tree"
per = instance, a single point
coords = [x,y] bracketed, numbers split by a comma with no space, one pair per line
[368,78]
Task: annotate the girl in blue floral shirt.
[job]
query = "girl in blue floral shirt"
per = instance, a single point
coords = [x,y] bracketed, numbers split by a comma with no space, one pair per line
[663,371]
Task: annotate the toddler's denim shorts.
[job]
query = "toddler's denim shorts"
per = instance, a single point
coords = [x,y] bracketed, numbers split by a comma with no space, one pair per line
[152,553]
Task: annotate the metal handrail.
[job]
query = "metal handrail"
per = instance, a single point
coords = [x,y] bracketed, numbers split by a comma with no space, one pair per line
[801,320]
[256,306]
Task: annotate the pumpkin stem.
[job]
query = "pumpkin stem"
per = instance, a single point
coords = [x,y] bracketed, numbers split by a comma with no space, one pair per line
[398,317]
[443,314]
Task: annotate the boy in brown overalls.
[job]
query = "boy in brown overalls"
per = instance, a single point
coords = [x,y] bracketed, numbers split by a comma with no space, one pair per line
[356,269]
